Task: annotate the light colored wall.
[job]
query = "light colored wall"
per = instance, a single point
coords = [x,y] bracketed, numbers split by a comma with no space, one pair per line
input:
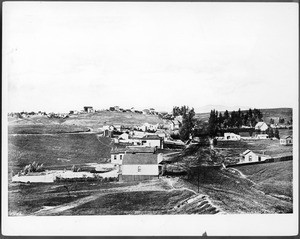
[146,169]
[118,160]
[254,158]
[151,143]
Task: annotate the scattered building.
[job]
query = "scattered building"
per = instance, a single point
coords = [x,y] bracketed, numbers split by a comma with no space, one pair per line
[88,109]
[231,136]
[152,141]
[287,140]
[251,157]
[261,136]
[261,126]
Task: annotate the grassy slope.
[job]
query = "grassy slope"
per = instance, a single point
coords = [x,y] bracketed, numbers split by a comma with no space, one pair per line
[93,120]
[235,194]
[274,178]
[78,148]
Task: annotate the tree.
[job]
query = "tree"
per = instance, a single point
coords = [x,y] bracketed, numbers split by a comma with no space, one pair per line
[188,123]
[271,133]
[212,123]
[277,134]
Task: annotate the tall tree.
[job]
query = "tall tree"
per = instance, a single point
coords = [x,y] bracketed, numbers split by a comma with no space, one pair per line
[277,134]
[188,123]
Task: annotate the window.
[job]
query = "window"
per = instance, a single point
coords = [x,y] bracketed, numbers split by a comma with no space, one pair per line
[121,156]
[115,157]
[250,157]
[139,169]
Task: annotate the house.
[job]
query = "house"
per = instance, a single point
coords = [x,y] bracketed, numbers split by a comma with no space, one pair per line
[116,156]
[88,109]
[175,125]
[108,127]
[140,166]
[146,111]
[261,126]
[117,108]
[261,136]
[124,136]
[118,127]
[152,141]
[251,157]
[231,136]
[287,140]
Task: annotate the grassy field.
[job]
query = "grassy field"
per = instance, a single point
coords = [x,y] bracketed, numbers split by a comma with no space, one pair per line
[235,193]
[56,150]
[274,178]
[26,199]
[92,120]
[45,129]
[232,149]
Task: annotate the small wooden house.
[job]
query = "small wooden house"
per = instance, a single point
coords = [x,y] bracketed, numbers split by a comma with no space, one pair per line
[251,157]
[286,141]
[261,126]
[231,136]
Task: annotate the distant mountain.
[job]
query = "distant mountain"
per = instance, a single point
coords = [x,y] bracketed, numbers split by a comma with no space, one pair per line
[208,108]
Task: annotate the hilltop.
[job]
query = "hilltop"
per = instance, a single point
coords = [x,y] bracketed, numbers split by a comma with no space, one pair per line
[91,120]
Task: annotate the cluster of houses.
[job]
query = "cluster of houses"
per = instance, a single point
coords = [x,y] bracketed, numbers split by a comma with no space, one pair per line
[260,127]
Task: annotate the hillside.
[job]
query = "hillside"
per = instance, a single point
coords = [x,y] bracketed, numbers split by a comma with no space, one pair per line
[274,113]
[92,120]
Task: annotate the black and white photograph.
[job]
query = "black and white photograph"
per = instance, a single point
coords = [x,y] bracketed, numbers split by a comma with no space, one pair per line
[174,117]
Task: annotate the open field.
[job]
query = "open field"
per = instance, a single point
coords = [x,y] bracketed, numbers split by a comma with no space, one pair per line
[274,178]
[45,129]
[160,196]
[232,149]
[234,192]
[56,150]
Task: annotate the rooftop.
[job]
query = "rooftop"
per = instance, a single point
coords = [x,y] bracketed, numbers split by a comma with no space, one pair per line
[140,159]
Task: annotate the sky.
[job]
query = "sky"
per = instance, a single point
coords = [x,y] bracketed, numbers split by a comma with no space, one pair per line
[61,56]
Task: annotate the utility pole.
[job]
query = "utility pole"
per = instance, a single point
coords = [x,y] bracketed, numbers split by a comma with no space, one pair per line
[198,178]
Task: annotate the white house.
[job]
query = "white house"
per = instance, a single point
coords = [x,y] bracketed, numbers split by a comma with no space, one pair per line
[262,126]
[152,141]
[175,125]
[287,140]
[231,136]
[108,127]
[124,136]
[117,156]
[137,167]
[251,157]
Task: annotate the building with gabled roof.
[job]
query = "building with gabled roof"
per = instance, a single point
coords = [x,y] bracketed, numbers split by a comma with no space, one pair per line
[261,126]
[249,156]
[136,167]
